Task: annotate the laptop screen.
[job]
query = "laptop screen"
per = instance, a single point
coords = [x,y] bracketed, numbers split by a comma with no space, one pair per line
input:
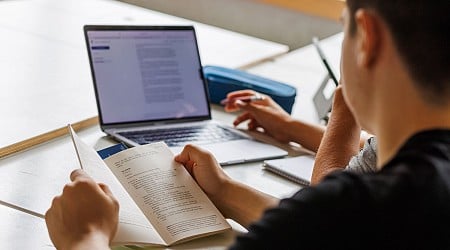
[145,74]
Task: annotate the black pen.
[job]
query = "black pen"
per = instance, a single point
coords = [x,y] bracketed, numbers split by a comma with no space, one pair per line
[324,60]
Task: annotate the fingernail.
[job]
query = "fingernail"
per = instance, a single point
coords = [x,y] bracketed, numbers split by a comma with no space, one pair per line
[239,103]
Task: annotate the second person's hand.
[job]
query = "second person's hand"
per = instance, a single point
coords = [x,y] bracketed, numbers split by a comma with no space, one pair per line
[265,114]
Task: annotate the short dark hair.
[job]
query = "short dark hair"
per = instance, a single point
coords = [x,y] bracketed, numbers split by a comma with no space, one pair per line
[420,29]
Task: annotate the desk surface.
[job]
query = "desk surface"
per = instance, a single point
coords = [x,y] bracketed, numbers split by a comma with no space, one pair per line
[32,178]
[46,80]
[304,69]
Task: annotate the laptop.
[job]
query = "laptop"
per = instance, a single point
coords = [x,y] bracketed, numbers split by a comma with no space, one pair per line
[149,87]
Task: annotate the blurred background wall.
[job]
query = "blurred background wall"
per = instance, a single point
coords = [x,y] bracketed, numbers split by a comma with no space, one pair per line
[290,22]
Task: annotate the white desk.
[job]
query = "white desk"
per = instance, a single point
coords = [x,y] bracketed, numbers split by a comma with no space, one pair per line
[43,168]
[303,69]
[19,230]
[32,178]
[45,75]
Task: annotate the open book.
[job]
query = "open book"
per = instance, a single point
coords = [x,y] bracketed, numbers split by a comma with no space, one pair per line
[160,202]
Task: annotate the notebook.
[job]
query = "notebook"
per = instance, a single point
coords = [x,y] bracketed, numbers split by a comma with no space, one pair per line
[297,169]
[149,87]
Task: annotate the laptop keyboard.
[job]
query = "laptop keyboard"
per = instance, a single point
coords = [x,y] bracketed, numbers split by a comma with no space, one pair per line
[173,137]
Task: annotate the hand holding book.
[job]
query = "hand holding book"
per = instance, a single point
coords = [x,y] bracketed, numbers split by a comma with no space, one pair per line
[83,202]
[160,202]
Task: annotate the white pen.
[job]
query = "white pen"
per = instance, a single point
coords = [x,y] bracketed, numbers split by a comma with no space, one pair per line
[249,98]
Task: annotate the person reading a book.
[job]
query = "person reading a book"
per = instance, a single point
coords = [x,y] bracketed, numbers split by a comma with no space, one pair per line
[396,84]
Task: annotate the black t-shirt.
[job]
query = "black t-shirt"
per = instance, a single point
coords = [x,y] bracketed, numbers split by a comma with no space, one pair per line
[406,205]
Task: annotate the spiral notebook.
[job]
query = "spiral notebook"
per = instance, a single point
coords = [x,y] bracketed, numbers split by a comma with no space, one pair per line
[297,169]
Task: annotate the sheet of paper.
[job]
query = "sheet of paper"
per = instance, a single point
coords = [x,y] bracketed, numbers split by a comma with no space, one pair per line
[133,225]
[166,193]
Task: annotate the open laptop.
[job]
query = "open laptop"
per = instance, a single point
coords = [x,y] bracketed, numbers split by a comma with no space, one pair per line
[149,87]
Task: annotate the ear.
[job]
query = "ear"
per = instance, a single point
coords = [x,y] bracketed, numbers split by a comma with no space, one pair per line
[368,39]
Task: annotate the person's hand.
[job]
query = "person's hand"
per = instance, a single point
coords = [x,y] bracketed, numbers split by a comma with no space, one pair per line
[340,108]
[85,216]
[226,194]
[206,171]
[265,114]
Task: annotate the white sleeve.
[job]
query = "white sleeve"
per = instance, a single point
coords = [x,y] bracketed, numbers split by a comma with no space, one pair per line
[366,160]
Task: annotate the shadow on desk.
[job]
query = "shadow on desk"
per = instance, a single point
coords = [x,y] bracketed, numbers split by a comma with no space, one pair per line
[217,241]
[293,149]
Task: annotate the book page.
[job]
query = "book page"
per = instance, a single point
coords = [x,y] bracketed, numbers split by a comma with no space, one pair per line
[134,227]
[166,193]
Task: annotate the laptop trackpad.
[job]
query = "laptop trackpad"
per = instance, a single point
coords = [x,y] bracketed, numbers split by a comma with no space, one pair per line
[239,151]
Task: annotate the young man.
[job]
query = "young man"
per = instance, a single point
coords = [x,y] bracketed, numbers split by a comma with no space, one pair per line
[396,83]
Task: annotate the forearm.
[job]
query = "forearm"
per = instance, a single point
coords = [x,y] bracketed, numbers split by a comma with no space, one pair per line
[306,134]
[310,135]
[340,142]
[243,204]
[94,241]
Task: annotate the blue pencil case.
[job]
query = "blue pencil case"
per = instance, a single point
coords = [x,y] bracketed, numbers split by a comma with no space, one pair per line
[222,80]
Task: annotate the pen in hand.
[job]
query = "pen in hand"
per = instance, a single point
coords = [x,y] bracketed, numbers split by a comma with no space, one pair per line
[249,98]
